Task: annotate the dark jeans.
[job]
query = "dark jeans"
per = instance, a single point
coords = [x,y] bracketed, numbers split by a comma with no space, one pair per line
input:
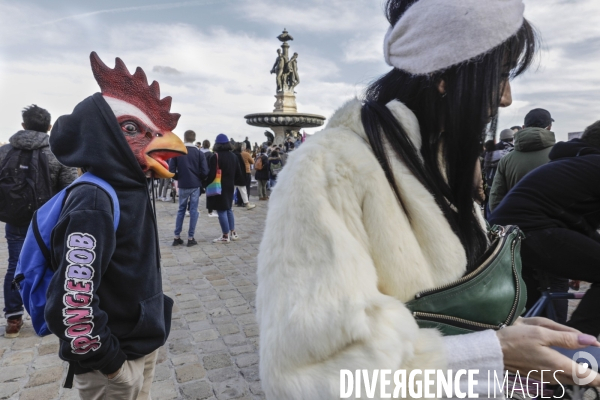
[15,236]
[248,181]
[564,254]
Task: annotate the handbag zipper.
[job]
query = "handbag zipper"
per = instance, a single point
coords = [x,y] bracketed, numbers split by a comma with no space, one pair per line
[502,235]
[461,321]
[517,285]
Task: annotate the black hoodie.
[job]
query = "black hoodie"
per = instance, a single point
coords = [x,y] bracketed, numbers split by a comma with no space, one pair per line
[105,300]
[563,193]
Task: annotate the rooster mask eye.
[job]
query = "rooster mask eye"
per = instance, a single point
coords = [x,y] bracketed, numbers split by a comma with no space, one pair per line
[130,128]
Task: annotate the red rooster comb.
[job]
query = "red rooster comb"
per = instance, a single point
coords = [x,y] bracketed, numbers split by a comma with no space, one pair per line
[134,89]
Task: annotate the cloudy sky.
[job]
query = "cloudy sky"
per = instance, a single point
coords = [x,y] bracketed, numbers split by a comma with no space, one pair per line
[213,57]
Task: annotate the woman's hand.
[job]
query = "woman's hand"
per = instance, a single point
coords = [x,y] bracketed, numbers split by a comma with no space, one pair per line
[526,347]
[546,323]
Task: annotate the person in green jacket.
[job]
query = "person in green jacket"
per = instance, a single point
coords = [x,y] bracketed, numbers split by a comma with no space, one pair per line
[532,146]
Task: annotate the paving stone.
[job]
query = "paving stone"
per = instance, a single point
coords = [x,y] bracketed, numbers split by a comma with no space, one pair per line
[26,343]
[251,373]
[45,375]
[17,358]
[246,360]
[48,348]
[164,391]
[241,349]
[8,389]
[235,340]
[256,388]
[184,359]
[44,392]
[208,334]
[223,374]
[162,373]
[228,329]
[251,331]
[211,346]
[231,389]
[197,390]
[180,346]
[215,361]
[12,373]
[245,309]
[190,372]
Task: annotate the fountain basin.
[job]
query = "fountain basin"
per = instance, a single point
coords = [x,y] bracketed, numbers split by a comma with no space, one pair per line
[285,119]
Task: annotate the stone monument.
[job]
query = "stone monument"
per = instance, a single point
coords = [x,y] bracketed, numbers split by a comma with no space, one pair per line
[285,119]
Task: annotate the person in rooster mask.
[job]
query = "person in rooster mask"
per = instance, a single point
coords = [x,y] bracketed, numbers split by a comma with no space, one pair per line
[105,301]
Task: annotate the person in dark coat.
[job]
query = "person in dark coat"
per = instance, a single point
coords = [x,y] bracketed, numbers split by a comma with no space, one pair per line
[241,184]
[262,174]
[230,173]
[557,206]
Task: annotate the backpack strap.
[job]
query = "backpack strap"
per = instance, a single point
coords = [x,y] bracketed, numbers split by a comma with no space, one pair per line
[88,177]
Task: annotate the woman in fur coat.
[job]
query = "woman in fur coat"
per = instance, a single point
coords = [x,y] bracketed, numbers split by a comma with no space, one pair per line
[379,206]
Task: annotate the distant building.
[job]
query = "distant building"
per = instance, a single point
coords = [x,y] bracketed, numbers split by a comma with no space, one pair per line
[575,135]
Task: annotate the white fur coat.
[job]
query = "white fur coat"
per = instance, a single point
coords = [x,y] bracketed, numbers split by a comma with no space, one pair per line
[338,260]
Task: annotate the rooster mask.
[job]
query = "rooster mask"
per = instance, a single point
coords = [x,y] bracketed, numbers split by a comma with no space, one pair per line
[143,117]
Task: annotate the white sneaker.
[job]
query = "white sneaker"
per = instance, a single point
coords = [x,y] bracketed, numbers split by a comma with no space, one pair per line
[213,215]
[250,206]
[233,236]
[187,213]
[221,239]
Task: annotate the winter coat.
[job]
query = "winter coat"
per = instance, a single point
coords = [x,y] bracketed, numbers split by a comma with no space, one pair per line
[240,179]
[532,147]
[191,169]
[248,160]
[263,174]
[563,193]
[60,176]
[230,172]
[337,263]
[129,314]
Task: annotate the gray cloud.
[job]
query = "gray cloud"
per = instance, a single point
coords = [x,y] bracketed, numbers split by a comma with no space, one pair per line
[165,70]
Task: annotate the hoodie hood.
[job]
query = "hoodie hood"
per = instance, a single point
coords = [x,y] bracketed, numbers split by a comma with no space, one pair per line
[91,138]
[572,148]
[534,139]
[29,140]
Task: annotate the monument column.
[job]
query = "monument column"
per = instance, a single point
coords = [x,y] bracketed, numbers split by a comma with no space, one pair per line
[285,117]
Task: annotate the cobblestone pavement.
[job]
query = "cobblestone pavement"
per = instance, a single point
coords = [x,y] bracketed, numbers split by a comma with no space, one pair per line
[212,351]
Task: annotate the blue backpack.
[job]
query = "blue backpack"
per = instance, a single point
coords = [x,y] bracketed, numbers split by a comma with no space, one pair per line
[34,269]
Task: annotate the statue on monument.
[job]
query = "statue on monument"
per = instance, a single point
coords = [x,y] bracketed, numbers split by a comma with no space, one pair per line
[293,79]
[270,138]
[285,69]
[279,70]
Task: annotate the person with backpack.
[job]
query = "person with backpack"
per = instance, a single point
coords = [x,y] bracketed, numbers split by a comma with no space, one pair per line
[261,167]
[224,171]
[105,300]
[27,155]
[275,167]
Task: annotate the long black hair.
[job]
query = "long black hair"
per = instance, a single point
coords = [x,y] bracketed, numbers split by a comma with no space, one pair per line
[452,125]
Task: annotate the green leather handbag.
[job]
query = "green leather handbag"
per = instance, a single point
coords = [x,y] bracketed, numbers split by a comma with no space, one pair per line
[490,297]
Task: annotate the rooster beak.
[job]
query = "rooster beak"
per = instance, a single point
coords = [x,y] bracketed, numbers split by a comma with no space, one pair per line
[160,149]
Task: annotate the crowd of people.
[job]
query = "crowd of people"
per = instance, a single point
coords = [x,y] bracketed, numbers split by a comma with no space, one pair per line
[233,163]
